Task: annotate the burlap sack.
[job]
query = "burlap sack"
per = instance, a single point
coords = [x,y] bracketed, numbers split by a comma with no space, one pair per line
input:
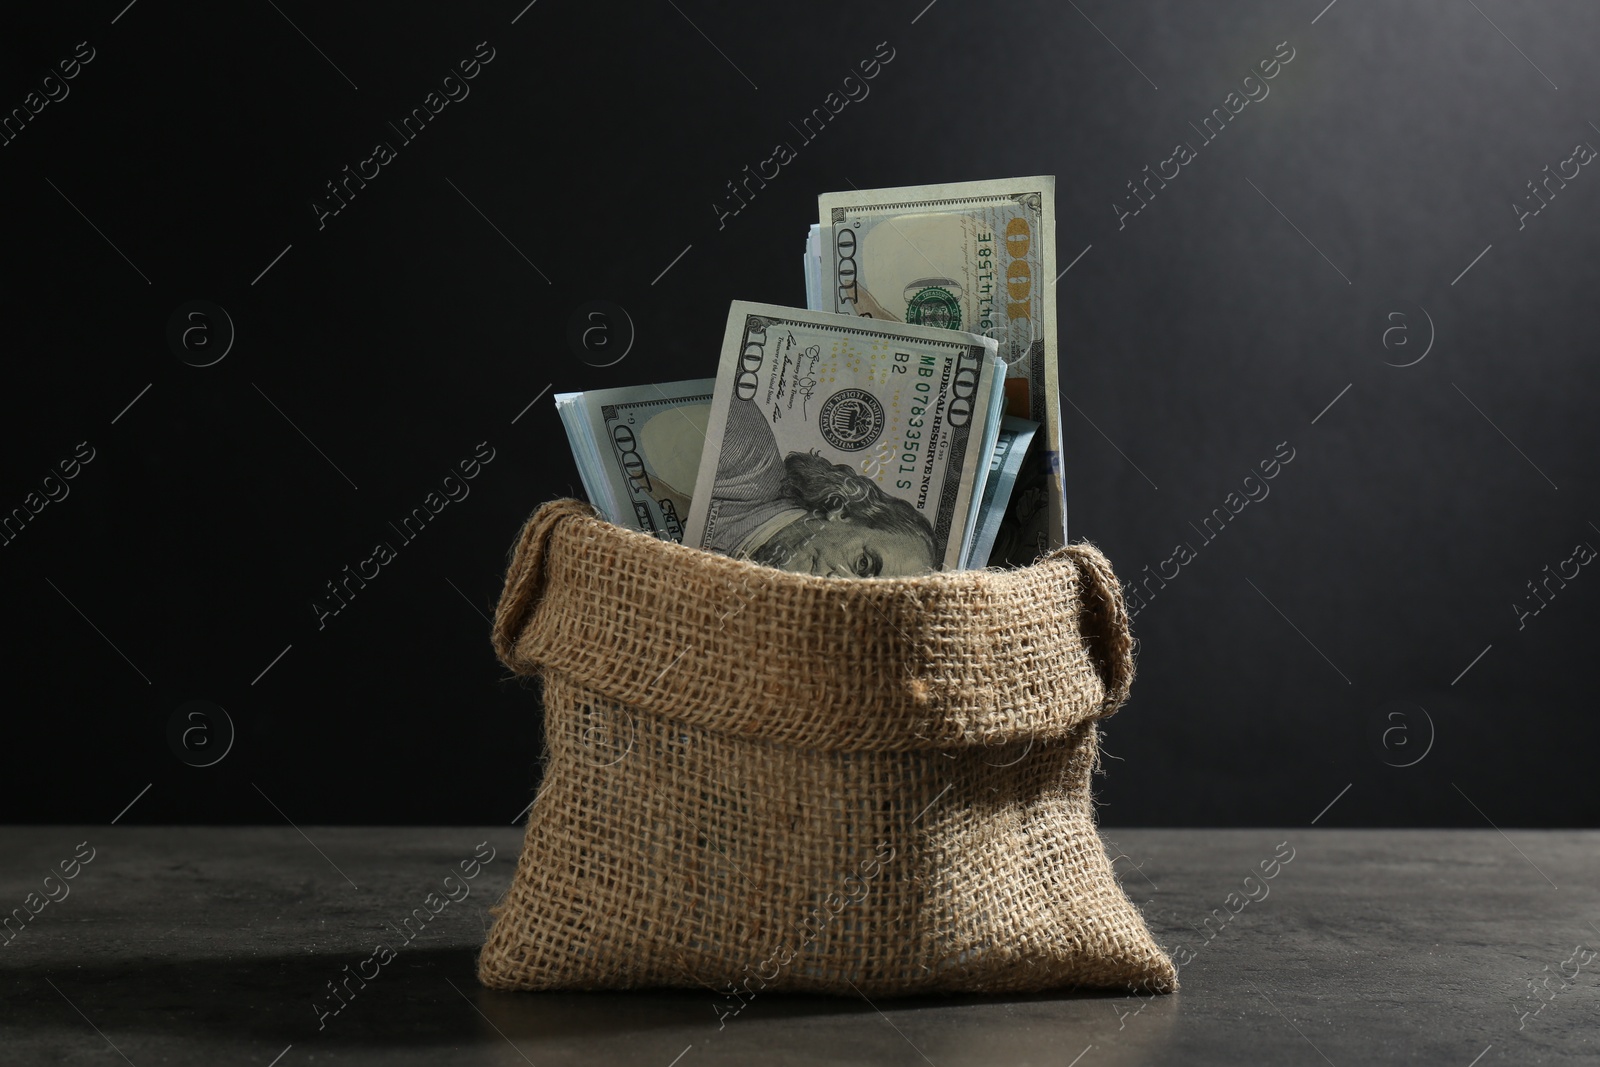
[760,780]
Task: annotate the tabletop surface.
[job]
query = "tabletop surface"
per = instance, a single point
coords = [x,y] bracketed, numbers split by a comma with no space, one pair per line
[178,945]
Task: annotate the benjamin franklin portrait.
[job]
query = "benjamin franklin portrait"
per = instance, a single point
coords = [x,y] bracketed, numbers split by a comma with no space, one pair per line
[802,513]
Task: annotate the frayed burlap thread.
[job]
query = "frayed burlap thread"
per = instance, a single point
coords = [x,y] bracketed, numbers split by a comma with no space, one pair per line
[760,780]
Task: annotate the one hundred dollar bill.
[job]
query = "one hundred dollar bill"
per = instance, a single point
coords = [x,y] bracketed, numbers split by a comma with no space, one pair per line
[838,446]
[1011,446]
[972,256]
[638,450]
[1023,535]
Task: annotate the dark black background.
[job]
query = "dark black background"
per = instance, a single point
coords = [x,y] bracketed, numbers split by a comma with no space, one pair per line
[1196,338]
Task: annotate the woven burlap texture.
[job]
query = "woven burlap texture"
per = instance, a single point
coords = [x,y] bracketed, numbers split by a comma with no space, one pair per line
[759,780]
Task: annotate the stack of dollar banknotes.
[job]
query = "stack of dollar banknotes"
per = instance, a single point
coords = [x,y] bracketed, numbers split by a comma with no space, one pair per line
[906,421]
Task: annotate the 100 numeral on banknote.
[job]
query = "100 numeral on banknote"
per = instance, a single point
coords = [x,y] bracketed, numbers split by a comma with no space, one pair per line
[638,450]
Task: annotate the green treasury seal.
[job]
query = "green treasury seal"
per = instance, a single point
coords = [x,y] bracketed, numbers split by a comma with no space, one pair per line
[850,419]
[934,306]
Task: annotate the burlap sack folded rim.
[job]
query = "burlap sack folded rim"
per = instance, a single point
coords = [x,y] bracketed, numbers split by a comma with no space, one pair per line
[948,659]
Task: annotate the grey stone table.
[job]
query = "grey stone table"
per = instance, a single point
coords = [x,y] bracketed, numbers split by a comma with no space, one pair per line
[216,946]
